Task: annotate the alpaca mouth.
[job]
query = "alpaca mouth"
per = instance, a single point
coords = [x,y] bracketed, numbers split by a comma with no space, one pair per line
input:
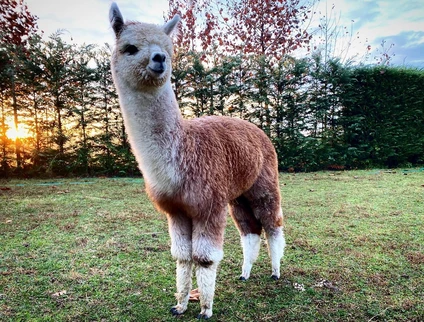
[157,70]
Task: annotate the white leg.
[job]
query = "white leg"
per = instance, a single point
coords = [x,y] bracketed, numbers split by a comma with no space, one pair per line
[206,258]
[276,245]
[180,229]
[251,244]
[206,277]
[207,253]
[184,281]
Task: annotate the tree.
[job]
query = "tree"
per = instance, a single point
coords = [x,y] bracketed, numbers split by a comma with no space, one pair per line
[17,26]
[83,93]
[33,94]
[111,151]
[4,86]
[57,60]
[198,28]
[270,27]
[257,35]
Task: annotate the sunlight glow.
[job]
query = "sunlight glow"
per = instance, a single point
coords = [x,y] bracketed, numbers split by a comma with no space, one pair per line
[21,132]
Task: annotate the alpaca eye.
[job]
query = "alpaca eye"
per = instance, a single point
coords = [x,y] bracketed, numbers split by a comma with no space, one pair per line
[130,50]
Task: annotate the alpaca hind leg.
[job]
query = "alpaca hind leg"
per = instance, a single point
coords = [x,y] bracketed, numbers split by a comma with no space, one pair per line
[251,244]
[180,230]
[264,198]
[250,231]
[208,238]
[276,244]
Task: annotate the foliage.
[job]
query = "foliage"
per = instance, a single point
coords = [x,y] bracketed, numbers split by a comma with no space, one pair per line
[273,28]
[17,24]
[383,115]
[17,27]
[64,95]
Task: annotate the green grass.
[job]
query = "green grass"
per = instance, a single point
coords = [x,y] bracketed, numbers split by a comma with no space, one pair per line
[96,250]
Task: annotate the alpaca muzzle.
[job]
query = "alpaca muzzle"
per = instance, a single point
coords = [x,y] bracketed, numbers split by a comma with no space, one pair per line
[157,63]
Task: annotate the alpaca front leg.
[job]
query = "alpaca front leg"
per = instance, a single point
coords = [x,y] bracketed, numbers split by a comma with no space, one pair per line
[207,253]
[180,230]
[206,277]
[184,281]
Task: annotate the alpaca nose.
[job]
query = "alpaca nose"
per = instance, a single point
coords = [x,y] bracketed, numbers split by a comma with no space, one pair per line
[158,58]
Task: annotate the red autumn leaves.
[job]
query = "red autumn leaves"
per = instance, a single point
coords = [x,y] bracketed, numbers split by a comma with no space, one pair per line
[265,27]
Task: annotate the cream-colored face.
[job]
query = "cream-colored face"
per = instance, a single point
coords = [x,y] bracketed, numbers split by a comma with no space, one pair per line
[142,56]
[143,52]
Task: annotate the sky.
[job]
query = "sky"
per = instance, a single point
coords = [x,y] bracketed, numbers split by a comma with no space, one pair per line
[399,24]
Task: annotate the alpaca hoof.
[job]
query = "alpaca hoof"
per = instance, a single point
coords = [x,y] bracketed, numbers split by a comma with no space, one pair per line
[175,312]
[275,277]
[202,317]
[242,278]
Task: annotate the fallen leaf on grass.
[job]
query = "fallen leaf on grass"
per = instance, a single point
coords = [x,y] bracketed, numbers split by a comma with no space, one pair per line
[8,221]
[194,295]
[299,287]
[22,271]
[61,192]
[327,284]
[19,271]
[60,293]
[6,273]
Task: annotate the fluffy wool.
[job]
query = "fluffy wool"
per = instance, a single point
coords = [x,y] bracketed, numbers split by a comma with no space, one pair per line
[197,170]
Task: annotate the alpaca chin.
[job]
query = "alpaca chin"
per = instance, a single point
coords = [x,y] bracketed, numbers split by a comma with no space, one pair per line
[155,79]
[147,78]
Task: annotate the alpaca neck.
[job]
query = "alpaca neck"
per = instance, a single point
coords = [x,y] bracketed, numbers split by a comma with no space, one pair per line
[154,126]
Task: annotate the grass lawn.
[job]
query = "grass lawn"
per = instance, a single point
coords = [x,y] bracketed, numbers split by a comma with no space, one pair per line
[96,250]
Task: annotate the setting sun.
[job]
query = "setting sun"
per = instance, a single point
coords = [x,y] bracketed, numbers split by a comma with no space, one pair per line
[21,132]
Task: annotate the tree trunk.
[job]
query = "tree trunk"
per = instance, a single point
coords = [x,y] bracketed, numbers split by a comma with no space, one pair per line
[37,131]
[107,131]
[4,165]
[60,138]
[16,123]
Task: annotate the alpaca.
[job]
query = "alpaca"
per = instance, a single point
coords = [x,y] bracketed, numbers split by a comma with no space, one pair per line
[194,170]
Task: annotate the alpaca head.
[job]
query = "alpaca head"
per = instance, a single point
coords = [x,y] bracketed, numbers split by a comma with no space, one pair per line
[143,52]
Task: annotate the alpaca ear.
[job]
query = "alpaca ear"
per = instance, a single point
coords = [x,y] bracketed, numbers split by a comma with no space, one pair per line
[116,19]
[171,24]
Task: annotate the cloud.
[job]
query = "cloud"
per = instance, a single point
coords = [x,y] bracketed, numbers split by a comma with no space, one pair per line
[363,13]
[408,48]
[88,20]
[394,22]
[412,8]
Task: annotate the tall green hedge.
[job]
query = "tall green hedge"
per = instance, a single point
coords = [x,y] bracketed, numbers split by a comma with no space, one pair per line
[383,116]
